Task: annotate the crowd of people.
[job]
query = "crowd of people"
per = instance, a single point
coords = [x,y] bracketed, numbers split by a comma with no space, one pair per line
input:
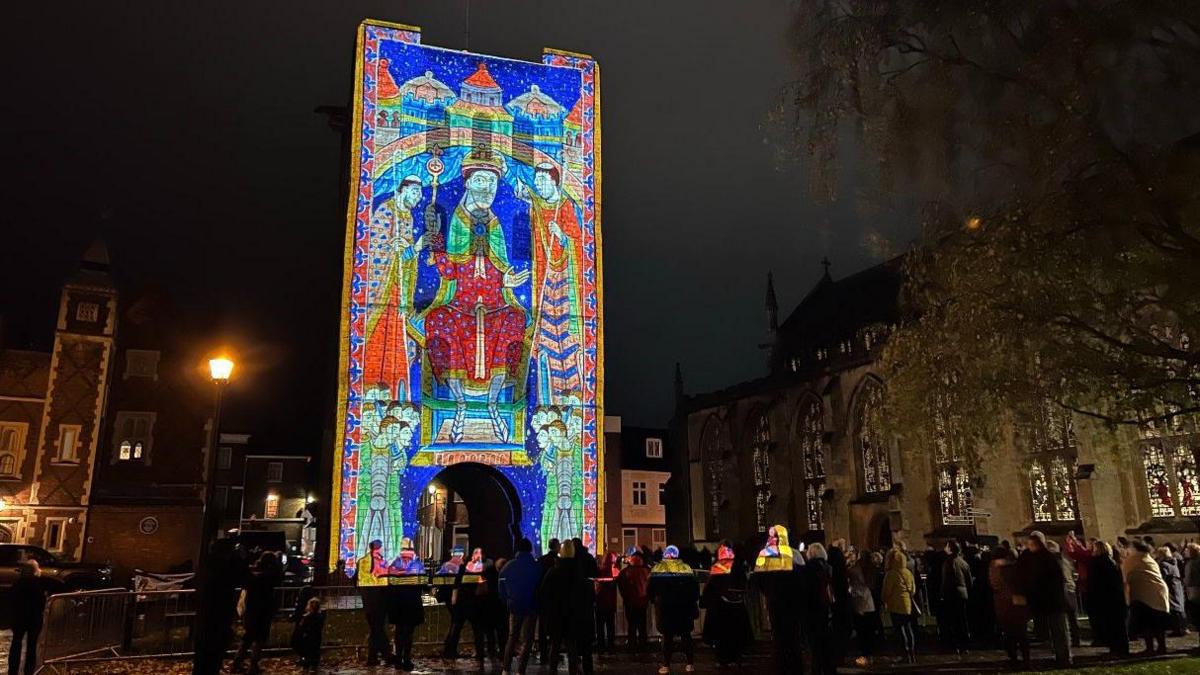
[824,603]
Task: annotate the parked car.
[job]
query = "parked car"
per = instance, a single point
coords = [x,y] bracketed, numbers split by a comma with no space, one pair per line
[73,576]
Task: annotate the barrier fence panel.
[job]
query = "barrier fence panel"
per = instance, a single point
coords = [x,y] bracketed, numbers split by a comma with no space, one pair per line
[87,622]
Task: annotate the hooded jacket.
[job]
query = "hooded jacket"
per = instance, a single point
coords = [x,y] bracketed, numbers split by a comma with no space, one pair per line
[675,593]
[1144,582]
[898,584]
[780,558]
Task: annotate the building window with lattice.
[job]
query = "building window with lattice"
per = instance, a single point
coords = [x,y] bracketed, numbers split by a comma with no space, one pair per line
[871,441]
[712,448]
[955,499]
[1169,457]
[812,452]
[761,458]
[1051,465]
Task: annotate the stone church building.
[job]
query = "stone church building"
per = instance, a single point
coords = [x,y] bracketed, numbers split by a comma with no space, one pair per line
[805,446]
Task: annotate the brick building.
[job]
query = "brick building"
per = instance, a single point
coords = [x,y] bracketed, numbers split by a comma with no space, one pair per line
[259,491]
[102,440]
[805,445]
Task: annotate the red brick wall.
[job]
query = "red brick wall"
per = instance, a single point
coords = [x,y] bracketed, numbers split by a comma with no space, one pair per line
[115,537]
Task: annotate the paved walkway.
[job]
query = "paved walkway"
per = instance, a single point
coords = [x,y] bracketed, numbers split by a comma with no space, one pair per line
[757,662]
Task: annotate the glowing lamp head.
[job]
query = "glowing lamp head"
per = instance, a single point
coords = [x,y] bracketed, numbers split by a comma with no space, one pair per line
[974,223]
[220,368]
[432,489]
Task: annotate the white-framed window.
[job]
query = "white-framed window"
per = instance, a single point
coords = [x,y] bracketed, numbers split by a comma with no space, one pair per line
[654,448]
[275,472]
[221,498]
[141,363]
[12,443]
[133,436]
[224,457]
[628,538]
[56,529]
[662,494]
[87,311]
[658,538]
[639,493]
[271,509]
[68,443]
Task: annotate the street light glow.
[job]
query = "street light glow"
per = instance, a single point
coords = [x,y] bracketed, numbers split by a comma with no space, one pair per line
[221,368]
[432,489]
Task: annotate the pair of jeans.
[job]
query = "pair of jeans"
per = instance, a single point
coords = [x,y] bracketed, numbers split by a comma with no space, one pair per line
[579,651]
[374,602]
[520,630]
[606,628]
[635,617]
[1059,628]
[903,623]
[685,644]
[28,635]
[867,626]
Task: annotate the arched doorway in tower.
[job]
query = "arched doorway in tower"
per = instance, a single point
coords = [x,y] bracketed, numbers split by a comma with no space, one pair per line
[468,504]
[880,532]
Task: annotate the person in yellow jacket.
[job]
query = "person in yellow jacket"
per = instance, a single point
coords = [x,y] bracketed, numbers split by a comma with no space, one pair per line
[777,576]
[899,593]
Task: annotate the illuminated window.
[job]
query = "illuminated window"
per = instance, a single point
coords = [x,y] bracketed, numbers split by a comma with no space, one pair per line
[761,459]
[1169,458]
[712,447]
[954,478]
[658,538]
[275,472]
[1050,441]
[133,435]
[654,448]
[68,443]
[87,311]
[812,453]
[272,507]
[872,445]
[12,444]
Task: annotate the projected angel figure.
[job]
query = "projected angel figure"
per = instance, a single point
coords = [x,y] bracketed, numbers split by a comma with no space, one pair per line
[558,431]
[388,434]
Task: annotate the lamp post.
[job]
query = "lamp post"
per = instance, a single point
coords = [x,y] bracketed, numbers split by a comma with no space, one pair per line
[213,596]
[220,369]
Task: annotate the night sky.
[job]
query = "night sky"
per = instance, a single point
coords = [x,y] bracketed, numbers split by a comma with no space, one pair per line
[184,133]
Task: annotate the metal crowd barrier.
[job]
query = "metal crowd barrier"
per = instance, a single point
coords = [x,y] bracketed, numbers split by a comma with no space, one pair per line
[120,624]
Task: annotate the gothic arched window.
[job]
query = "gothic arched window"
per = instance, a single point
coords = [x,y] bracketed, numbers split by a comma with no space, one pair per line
[1051,466]
[954,478]
[871,442]
[761,459]
[1169,456]
[811,430]
[712,449]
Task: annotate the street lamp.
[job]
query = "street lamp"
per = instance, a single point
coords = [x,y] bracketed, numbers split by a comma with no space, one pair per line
[208,648]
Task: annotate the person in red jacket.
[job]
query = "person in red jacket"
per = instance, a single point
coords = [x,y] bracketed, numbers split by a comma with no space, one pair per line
[634,582]
[1081,554]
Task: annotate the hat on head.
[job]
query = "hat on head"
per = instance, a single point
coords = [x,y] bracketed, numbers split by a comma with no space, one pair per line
[482,159]
[671,552]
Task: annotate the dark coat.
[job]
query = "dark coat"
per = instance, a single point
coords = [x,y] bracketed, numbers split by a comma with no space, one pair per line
[818,597]
[675,593]
[725,618]
[956,579]
[1041,578]
[1171,574]
[405,607]
[1106,606]
[568,601]
[307,636]
[261,603]
[519,581]
[28,596]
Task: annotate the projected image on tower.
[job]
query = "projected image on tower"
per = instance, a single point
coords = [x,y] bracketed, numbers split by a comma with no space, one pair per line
[472,301]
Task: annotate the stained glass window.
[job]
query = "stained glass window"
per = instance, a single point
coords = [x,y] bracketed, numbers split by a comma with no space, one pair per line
[873,451]
[1050,440]
[1039,490]
[1189,484]
[712,447]
[812,451]
[1063,475]
[762,469]
[1158,486]
[1172,478]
